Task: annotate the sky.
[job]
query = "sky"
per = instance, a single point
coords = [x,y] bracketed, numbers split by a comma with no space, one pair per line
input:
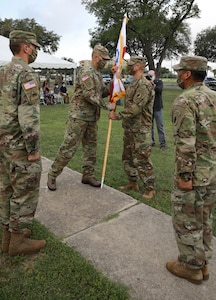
[70,20]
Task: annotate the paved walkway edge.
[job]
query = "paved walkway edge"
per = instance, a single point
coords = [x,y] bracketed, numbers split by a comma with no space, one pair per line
[132,248]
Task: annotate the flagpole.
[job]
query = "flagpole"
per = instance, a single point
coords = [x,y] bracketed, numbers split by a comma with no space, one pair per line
[106,152]
[118,88]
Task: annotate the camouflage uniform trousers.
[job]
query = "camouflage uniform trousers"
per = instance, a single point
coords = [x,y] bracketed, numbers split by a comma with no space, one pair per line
[192,221]
[136,158]
[76,131]
[19,188]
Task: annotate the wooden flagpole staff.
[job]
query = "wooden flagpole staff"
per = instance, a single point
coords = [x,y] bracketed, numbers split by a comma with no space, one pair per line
[106,152]
[118,90]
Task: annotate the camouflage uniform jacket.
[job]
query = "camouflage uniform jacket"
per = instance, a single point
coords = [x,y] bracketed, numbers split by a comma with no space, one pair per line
[88,95]
[194,122]
[19,107]
[137,113]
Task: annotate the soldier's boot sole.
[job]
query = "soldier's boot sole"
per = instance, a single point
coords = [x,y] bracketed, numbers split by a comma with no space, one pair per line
[148,195]
[131,186]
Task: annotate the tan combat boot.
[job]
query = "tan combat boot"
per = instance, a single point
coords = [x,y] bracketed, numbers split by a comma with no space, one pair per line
[51,183]
[204,269]
[131,186]
[205,272]
[179,269]
[27,233]
[5,239]
[19,244]
[91,181]
[6,235]
[149,194]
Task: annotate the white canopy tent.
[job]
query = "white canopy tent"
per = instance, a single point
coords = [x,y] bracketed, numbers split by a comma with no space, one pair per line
[43,61]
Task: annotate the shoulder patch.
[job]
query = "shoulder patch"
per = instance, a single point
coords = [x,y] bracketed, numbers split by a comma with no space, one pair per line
[29,85]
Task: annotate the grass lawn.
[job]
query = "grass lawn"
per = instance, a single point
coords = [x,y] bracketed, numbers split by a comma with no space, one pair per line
[59,272]
[53,120]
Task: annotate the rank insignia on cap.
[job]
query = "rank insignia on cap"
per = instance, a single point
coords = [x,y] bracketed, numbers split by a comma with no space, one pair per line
[29,85]
[85,77]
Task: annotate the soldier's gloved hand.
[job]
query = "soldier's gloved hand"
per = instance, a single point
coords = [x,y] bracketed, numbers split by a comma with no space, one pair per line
[185,185]
[33,157]
[112,115]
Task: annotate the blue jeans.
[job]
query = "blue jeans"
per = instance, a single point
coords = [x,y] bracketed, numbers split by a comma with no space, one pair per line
[158,117]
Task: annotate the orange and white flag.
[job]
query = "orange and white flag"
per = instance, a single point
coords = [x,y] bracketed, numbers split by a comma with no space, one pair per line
[117,89]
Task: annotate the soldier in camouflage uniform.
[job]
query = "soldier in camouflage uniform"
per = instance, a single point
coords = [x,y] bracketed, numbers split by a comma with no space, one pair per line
[84,112]
[20,163]
[194,193]
[137,122]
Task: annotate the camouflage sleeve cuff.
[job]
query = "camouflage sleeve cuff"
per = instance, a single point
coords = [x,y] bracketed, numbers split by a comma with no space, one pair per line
[34,152]
[186,176]
[109,106]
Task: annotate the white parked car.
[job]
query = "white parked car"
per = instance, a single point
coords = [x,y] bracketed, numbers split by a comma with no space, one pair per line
[210,82]
[106,79]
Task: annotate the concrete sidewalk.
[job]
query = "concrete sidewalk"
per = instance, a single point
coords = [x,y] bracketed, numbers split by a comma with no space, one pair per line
[132,248]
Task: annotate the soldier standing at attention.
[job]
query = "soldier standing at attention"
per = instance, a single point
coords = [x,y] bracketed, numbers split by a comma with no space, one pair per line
[20,162]
[137,123]
[84,112]
[194,192]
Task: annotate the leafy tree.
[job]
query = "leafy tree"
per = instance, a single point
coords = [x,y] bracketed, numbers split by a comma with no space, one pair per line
[204,44]
[156,29]
[164,71]
[47,39]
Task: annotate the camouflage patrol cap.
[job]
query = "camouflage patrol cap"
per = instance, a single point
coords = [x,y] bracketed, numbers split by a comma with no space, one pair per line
[20,36]
[136,59]
[192,63]
[102,51]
